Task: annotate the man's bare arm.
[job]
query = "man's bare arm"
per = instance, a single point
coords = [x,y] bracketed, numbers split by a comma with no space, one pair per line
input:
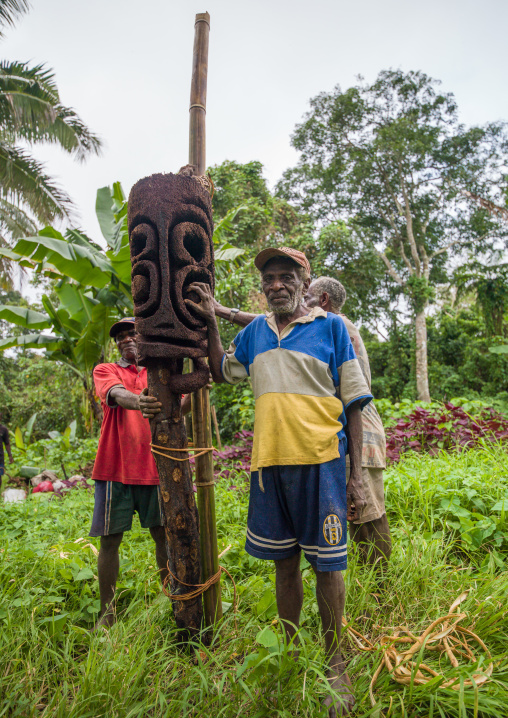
[206,309]
[240,318]
[354,432]
[147,405]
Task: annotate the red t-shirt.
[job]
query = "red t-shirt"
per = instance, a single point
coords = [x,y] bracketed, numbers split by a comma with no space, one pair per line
[124,446]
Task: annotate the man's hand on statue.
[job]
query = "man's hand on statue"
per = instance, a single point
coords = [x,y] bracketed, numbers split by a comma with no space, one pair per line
[355,496]
[148,405]
[206,307]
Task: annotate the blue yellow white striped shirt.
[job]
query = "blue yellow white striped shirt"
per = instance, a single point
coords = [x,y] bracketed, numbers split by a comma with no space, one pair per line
[302,381]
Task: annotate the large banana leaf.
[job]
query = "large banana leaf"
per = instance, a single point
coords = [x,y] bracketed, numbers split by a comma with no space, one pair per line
[83,264]
[32,341]
[105,214]
[111,210]
[24,317]
[75,300]
[94,340]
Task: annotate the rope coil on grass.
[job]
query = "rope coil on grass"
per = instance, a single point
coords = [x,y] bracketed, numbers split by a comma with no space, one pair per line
[406,671]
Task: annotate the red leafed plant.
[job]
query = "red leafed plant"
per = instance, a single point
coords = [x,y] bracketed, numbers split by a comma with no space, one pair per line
[452,428]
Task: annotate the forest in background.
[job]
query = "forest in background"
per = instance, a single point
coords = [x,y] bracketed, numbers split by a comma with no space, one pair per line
[391,195]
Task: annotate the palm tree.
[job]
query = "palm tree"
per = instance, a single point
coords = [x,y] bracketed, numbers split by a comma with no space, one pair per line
[31,113]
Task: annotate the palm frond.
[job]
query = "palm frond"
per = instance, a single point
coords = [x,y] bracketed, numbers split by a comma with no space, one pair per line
[30,109]
[10,10]
[15,221]
[24,181]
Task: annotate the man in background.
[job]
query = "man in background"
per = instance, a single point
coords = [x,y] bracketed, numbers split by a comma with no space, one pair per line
[4,439]
[370,530]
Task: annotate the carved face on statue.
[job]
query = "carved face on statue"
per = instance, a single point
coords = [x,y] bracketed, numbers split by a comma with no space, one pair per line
[170,233]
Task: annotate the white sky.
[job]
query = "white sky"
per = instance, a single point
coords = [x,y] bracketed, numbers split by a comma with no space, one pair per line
[125,66]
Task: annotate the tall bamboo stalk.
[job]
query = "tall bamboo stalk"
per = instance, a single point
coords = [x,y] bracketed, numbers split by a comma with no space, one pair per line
[212,605]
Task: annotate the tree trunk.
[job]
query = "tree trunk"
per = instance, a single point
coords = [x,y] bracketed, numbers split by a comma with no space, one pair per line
[181,521]
[422,373]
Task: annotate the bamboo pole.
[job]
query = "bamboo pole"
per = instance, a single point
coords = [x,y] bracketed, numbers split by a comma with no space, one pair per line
[212,605]
[216,426]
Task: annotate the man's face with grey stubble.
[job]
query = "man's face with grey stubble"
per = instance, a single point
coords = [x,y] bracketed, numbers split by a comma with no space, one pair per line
[283,286]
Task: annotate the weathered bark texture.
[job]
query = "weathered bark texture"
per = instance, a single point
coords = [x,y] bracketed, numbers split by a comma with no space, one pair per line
[422,374]
[180,512]
[170,233]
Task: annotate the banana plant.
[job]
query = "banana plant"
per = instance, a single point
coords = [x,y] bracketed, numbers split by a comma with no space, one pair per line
[92,286]
[22,436]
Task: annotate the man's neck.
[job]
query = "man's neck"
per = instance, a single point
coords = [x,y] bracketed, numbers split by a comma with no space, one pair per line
[283,320]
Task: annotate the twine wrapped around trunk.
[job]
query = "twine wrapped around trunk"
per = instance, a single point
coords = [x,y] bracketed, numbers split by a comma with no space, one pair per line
[451,639]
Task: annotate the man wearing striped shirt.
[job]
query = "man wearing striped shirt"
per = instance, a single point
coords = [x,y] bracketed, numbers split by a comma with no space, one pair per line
[309,392]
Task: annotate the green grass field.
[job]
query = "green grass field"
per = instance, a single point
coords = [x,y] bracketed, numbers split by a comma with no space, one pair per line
[450,534]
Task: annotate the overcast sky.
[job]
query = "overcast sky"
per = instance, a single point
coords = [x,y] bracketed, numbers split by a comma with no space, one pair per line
[125,66]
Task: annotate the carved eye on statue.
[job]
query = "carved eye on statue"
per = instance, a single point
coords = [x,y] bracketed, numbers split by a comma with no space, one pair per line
[189,244]
[144,243]
[146,283]
[146,288]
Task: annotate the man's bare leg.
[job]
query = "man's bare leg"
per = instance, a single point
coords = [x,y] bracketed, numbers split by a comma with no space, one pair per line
[331,596]
[161,555]
[108,565]
[289,593]
[374,541]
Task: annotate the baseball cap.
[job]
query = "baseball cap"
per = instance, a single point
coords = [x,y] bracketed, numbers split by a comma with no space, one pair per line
[121,325]
[270,252]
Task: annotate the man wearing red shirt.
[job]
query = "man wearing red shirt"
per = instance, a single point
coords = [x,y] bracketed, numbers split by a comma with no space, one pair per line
[125,474]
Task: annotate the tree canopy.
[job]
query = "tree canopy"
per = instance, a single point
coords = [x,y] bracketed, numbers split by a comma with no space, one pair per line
[414,185]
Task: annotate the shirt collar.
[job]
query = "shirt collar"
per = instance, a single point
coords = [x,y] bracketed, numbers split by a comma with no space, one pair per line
[125,364]
[314,313]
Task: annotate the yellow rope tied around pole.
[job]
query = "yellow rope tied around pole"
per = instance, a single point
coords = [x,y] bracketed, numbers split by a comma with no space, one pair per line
[176,458]
[441,631]
[198,589]
[200,451]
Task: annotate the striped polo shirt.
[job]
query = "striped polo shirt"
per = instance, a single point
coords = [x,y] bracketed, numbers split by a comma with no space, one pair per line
[302,379]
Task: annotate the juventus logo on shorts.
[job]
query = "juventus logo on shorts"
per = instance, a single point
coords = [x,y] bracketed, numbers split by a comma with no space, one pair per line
[332,529]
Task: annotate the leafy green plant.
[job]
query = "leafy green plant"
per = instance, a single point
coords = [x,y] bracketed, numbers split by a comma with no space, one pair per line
[22,437]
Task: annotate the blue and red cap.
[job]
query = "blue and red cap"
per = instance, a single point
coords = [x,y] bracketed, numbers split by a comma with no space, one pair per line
[121,325]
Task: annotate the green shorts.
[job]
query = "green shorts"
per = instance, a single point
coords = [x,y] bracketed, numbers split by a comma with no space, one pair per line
[115,504]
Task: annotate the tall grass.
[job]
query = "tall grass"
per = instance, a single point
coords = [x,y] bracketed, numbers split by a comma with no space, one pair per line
[51,665]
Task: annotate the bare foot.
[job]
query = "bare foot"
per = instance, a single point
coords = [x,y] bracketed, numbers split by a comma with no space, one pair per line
[107,620]
[343,703]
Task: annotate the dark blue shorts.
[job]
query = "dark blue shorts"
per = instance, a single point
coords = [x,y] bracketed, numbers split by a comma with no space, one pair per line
[294,508]
[2,470]
[115,504]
